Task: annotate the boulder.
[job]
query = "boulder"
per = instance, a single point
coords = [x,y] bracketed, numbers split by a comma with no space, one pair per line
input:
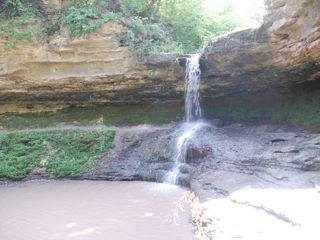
[195,153]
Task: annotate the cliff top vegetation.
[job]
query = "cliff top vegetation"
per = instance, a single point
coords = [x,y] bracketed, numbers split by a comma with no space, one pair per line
[151,26]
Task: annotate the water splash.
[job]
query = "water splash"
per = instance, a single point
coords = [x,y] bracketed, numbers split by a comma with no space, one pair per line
[188,129]
[185,134]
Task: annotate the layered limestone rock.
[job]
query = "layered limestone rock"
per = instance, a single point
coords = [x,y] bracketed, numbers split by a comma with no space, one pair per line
[92,69]
[283,52]
[97,69]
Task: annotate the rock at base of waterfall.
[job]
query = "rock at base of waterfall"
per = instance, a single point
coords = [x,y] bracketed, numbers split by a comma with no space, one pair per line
[195,153]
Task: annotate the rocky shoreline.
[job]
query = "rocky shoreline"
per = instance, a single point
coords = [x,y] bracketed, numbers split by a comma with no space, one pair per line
[262,154]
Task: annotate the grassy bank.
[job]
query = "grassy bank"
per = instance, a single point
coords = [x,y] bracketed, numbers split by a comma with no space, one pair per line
[69,153]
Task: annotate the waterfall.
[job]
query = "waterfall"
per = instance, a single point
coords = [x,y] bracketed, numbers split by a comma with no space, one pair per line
[193,112]
[192,82]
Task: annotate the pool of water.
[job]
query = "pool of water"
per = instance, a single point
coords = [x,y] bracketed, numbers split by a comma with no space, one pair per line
[92,210]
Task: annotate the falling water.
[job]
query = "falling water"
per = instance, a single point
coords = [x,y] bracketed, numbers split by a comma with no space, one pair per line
[188,129]
[192,82]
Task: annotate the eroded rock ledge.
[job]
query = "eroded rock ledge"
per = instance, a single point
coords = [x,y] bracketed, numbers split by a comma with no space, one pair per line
[96,69]
[283,52]
[92,69]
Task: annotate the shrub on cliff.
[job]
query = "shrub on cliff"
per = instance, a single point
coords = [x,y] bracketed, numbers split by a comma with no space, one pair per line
[168,26]
[20,20]
[83,17]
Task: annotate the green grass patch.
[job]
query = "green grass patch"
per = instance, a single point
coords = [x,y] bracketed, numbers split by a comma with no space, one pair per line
[20,154]
[77,152]
[69,153]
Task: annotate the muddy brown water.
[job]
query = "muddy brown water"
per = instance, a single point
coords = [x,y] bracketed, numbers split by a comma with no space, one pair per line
[94,210]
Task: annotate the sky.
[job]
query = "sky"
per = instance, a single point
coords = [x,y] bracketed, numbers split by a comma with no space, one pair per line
[247,10]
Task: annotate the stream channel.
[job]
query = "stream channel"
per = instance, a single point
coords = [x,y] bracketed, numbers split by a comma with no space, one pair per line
[58,210]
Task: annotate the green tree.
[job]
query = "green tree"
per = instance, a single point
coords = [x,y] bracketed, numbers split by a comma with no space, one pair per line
[186,18]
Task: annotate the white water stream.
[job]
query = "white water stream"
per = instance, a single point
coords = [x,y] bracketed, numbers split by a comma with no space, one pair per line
[192,83]
[189,129]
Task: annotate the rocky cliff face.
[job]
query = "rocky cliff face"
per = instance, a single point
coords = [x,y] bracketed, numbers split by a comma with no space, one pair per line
[283,52]
[92,69]
[97,69]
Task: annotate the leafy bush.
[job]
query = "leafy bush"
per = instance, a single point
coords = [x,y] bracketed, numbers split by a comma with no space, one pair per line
[17,8]
[133,8]
[20,153]
[77,152]
[151,26]
[82,21]
[22,30]
[83,17]
[181,26]
[147,38]
[20,21]
[68,153]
